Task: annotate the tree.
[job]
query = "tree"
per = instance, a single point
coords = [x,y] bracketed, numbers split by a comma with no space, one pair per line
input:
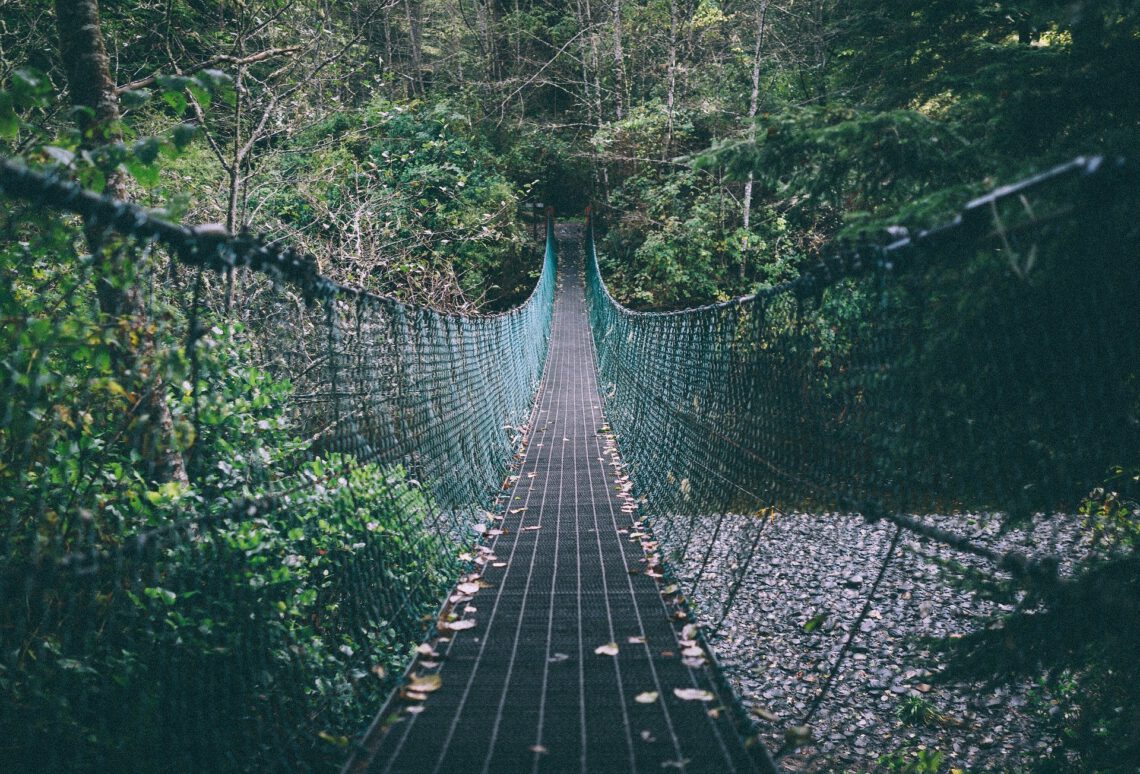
[86,64]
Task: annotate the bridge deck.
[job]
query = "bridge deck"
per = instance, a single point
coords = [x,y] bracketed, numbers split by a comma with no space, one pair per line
[524,690]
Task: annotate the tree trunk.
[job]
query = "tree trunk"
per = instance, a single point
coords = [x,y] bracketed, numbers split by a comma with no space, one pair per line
[414,13]
[88,72]
[753,105]
[670,95]
[619,64]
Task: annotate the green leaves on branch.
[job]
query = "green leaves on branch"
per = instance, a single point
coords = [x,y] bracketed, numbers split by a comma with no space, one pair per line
[28,89]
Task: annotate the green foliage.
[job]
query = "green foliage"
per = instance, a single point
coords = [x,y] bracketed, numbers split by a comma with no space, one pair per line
[830,163]
[917,711]
[132,602]
[419,190]
[919,761]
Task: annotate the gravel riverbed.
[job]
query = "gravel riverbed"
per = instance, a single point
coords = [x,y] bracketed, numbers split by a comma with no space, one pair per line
[820,569]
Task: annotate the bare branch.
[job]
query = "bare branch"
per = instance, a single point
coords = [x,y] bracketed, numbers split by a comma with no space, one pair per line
[238,61]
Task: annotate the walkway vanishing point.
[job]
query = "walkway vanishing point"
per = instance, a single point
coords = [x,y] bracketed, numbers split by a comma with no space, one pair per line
[575,662]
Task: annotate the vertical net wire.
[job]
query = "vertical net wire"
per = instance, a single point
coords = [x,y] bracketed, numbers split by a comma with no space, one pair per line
[947,400]
[338,447]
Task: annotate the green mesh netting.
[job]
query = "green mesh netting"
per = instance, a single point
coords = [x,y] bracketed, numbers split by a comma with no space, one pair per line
[338,447]
[985,370]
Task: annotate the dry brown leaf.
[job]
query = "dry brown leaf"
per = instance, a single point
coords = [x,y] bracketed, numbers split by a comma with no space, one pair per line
[425,683]
[609,649]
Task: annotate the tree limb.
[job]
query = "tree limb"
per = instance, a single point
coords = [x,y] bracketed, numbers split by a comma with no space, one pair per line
[260,56]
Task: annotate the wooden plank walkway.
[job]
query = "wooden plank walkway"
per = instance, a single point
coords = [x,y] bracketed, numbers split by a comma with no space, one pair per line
[524,690]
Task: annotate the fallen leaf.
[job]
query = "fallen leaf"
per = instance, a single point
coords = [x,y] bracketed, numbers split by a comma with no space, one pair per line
[413,695]
[458,626]
[638,640]
[429,664]
[467,588]
[646,697]
[557,657]
[426,650]
[765,714]
[499,564]
[414,709]
[693,694]
[517,510]
[536,526]
[609,649]
[814,623]
[796,736]
[693,651]
[425,683]
[479,527]
[538,749]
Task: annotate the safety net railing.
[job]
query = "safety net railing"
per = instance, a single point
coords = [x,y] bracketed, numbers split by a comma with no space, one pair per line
[235,492]
[930,436]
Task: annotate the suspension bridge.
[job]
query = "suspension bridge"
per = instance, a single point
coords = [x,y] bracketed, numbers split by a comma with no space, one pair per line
[564,504]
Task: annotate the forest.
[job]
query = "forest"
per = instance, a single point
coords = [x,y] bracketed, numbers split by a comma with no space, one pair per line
[409,149]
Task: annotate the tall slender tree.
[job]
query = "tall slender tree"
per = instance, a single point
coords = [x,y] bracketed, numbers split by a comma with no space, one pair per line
[87,66]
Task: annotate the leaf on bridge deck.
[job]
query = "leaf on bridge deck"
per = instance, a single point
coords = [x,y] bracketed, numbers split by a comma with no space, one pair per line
[693,694]
[467,588]
[609,649]
[425,683]
[458,626]
[646,697]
